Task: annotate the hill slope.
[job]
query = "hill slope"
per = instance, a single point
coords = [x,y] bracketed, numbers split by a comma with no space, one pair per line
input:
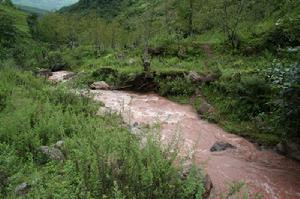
[32,10]
[105,8]
[19,17]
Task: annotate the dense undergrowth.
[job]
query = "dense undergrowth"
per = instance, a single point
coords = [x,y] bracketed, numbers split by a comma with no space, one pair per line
[102,158]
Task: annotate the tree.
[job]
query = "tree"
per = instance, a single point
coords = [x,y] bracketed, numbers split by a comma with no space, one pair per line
[147,34]
[32,21]
[232,13]
[8,31]
[187,10]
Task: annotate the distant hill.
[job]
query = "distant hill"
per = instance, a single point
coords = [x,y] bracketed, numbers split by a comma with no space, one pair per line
[104,8]
[33,10]
[45,4]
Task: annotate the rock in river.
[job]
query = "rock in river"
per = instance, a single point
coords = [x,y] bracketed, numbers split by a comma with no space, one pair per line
[221,146]
[100,86]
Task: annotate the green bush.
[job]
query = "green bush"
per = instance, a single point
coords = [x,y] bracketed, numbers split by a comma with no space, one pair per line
[8,35]
[56,61]
[285,81]
[285,33]
[253,95]
[177,86]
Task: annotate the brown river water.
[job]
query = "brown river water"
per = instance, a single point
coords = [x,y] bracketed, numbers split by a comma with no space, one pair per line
[263,171]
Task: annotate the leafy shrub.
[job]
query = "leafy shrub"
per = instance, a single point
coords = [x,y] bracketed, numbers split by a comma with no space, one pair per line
[252,93]
[56,61]
[291,102]
[8,31]
[286,33]
[175,86]
[285,81]
[8,35]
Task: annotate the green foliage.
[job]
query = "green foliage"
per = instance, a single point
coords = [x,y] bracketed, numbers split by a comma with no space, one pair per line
[175,86]
[8,33]
[252,94]
[290,102]
[285,33]
[285,80]
[32,22]
[103,160]
[55,61]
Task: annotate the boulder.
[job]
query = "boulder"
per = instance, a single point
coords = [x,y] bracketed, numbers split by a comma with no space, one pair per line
[131,61]
[195,77]
[205,108]
[136,129]
[22,189]
[221,146]
[290,149]
[59,144]
[52,153]
[100,86]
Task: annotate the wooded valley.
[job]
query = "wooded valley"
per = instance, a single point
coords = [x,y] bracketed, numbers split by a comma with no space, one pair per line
[235,62]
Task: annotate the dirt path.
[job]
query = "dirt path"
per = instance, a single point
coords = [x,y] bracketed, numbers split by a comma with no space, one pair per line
[266,172]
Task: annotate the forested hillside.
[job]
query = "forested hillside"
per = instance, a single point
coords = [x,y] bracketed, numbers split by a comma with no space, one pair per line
[236,63]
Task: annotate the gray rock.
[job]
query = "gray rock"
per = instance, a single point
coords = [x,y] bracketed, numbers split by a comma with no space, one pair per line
[131,61]
[100,86]
[221,146]
[52,153]
[195,77]
[59,144]
[22,189]
[290,149]
[205,107]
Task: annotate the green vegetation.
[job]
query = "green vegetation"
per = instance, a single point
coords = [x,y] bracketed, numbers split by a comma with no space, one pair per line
[252,47]
[32,10]
[102,158]
[238,40]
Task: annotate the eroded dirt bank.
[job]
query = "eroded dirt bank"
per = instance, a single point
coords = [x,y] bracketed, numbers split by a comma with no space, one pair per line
[266,172]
